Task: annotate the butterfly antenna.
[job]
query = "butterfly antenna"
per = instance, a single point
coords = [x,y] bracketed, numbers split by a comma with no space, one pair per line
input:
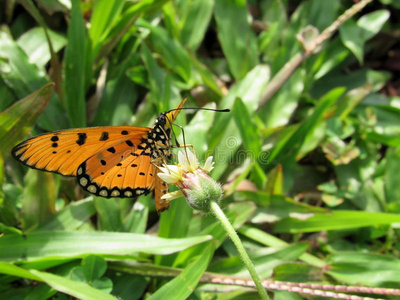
[200,108]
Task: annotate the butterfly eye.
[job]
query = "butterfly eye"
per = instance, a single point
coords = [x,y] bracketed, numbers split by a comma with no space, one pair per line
[161,120]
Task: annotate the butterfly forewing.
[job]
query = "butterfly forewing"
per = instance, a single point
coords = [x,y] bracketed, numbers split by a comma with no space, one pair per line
[63,151]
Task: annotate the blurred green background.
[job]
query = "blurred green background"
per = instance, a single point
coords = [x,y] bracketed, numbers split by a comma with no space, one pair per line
[308,156]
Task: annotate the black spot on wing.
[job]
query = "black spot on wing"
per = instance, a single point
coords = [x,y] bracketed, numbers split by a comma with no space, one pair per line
[103,162]
[54,138]
[112,150]
[81,139]
[124,132]
[54,145]
[104,136]
[129,143]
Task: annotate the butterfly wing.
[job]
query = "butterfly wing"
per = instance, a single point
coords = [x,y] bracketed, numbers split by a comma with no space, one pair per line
[65,150]
[124,170]
[160,189]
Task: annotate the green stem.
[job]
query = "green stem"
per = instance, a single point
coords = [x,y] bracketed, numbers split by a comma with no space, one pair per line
[217,211]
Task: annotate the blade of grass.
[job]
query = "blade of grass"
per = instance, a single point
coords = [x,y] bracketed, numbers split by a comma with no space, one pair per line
[70,217]
[237,39]
[195,23]
[183,285]
[336,220]
[36,245]
[39,198]
[75,62]
[76,289]
[105,12]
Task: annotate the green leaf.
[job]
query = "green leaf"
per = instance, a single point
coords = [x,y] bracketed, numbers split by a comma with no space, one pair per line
[119,97]
[263,260]
[104,284]
[195,22]
[286,149]
[70,217]
[156,75]
[274,207]
[335,220]
[35,45]
[18,120]
[282,105]
[73,288]
[24,78]
[39,198]
[392,188]
[183,285]
[9,269]
[36,245]
[223,136]
[354,35]
[93,267]
[237,213]
[247,128]
[109,217]
[237,39]
[105,12]
[75,61]
[352,38]
[136,220]
[365,268]
[172,53]
[174,223]
[270,240]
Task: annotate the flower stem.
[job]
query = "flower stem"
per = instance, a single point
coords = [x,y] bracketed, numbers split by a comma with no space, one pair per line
[219,214]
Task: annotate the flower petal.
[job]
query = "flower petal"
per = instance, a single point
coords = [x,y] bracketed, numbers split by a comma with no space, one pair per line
[188,160]
[172,195]
[168,178]
[208,165]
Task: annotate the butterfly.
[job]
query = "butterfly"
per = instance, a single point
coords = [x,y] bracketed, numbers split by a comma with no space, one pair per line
[108,161]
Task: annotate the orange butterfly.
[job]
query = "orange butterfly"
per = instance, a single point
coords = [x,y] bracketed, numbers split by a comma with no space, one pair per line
[109,161]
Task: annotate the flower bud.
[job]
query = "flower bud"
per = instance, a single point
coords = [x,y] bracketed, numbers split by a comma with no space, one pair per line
[195,184]
[199,189]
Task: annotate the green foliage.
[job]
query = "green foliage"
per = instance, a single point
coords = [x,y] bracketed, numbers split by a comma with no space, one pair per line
[308,155]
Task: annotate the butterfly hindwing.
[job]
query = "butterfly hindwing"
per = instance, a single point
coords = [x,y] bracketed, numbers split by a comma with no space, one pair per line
[160,189]
[125,170]
[63,151]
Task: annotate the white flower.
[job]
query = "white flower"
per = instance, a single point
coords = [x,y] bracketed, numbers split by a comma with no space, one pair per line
[192,180]
[208,165]
[188,161]
[172,195]
[171,174]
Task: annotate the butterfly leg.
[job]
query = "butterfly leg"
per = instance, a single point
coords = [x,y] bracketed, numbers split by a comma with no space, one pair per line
[186,146]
